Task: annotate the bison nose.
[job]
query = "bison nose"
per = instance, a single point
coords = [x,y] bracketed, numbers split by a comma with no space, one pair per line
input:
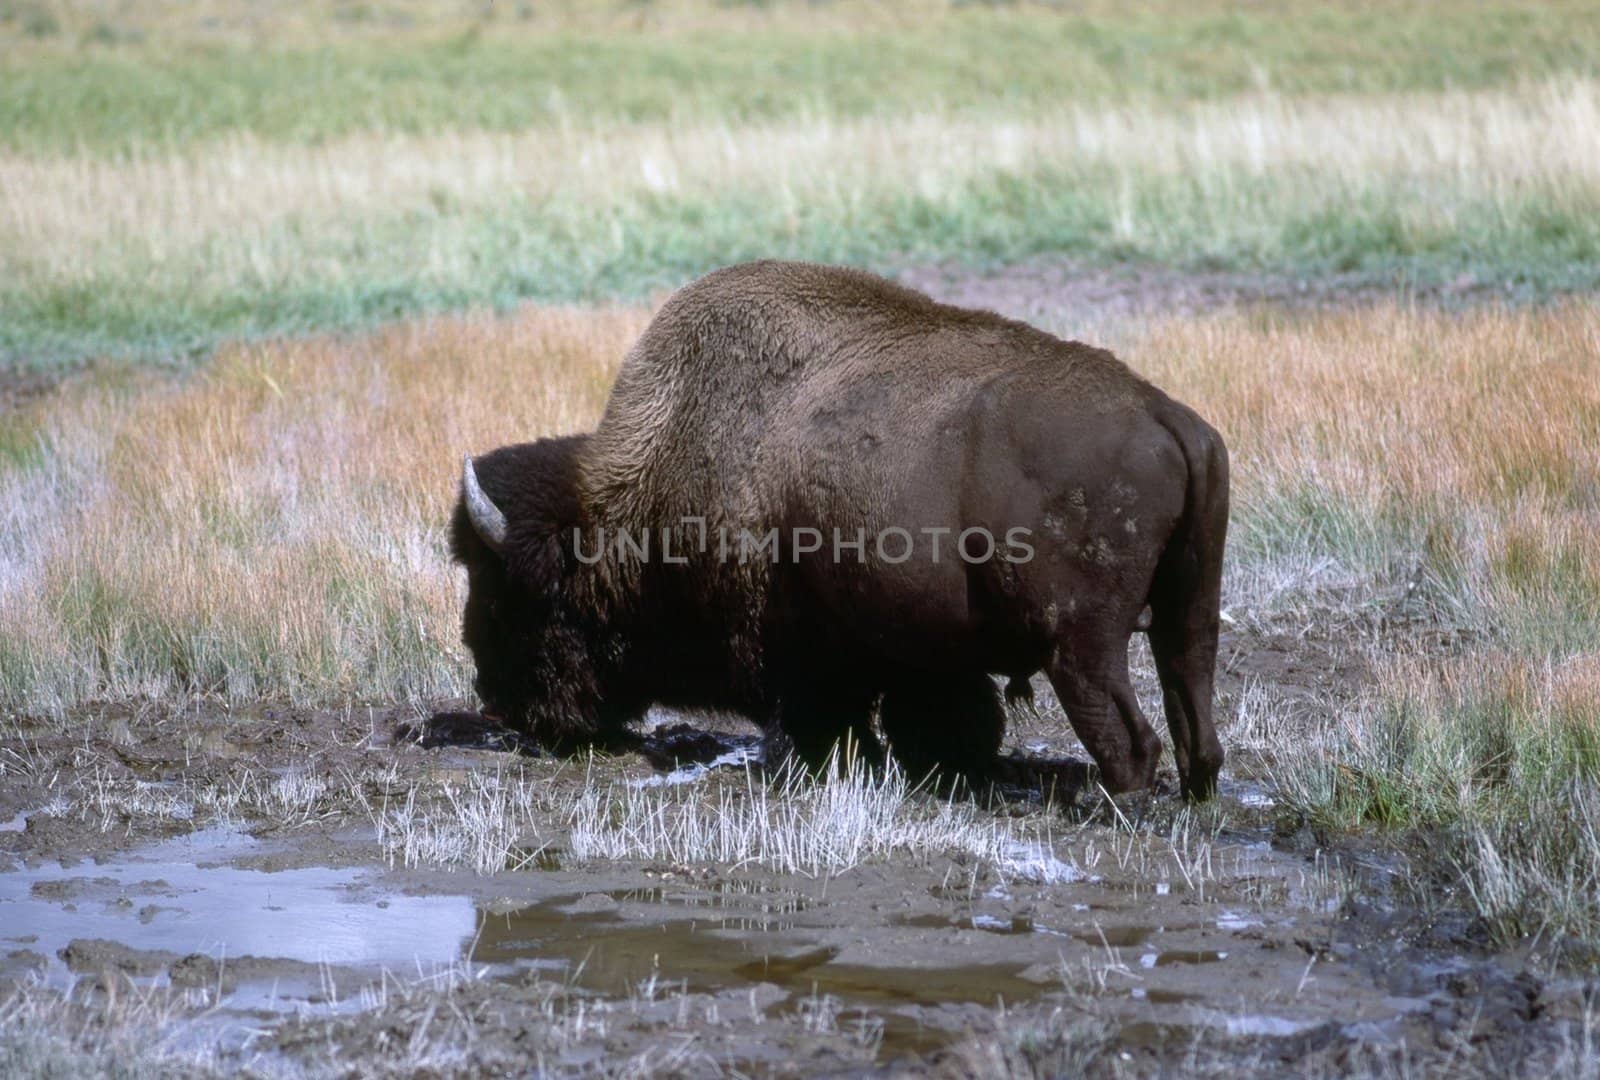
[488,707]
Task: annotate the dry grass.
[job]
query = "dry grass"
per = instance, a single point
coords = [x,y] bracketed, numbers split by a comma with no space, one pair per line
[1455,459]
[450,1022]
[490,822]
[1498,752]
[240,22]
[1443,474]
[797,826]
[487,823]
[130,1031]
[65,215]
[113,800]
[274,526]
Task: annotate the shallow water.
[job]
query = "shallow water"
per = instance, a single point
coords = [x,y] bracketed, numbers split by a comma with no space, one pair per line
[604,952]
[180,897]
[916,966]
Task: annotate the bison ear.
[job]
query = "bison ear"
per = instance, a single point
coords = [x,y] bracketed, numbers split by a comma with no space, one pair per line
[539,562]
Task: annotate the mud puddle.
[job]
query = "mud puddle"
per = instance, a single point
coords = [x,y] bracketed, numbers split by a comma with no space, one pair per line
[922,978]
[739,936]
[193,913]
[604,951]
[197,913]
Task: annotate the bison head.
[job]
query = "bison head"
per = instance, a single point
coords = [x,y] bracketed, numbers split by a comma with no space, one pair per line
[515,515]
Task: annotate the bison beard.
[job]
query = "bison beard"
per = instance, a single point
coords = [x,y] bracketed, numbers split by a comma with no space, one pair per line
[783,396]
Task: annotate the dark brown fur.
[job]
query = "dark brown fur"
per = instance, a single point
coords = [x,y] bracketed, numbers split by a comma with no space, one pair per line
[789,395]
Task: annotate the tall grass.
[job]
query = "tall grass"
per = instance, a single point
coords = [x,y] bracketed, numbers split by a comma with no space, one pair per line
[1499,755]
[1454,456]
[164,254]
[272,527]
[1498,728]
[1449,470]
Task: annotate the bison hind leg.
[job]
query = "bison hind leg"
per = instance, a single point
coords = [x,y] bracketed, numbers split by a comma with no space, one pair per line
[1090,677]
[949,725]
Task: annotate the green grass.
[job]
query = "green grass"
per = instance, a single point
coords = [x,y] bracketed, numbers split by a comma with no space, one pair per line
[1431,756]
[363,270]
[1495,767]
[1486,761]
[65,94]
[117,267]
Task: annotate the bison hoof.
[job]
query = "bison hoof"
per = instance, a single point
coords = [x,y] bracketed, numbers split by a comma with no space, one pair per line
[1199,785]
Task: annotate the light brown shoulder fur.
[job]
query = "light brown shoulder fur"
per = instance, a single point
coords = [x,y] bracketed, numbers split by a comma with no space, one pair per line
[731,358]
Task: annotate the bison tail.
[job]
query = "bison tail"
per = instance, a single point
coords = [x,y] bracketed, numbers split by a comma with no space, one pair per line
[1186,602]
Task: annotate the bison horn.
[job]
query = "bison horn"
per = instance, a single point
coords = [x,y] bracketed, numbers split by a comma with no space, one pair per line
[486,517]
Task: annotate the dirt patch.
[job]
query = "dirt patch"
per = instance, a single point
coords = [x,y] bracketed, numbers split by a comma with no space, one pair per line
[1062,293]
[112,957]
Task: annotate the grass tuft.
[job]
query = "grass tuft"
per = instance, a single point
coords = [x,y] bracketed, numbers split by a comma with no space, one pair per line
[799,825]
[1500,756]
[273,528]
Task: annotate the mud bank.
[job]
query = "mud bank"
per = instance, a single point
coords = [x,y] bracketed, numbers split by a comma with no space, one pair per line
[245,885]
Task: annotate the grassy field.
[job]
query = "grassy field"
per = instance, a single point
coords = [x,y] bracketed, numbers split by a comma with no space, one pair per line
[160,256]
[272,528]
[197,178]
[288,264]
[1428,473]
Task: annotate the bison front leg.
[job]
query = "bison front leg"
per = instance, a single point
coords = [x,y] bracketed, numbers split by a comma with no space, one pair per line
[939,723]
[1091,679]
[817,716]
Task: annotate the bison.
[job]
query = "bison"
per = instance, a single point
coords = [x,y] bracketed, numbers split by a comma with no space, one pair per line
[816,497]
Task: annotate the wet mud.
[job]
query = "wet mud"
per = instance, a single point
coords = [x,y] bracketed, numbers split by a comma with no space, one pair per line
[1235,940]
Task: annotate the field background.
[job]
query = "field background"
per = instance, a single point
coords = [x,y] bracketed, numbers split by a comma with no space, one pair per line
[174,176]
[265,273]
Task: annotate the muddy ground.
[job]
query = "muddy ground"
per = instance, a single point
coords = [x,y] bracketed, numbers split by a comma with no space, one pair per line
[176,859]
